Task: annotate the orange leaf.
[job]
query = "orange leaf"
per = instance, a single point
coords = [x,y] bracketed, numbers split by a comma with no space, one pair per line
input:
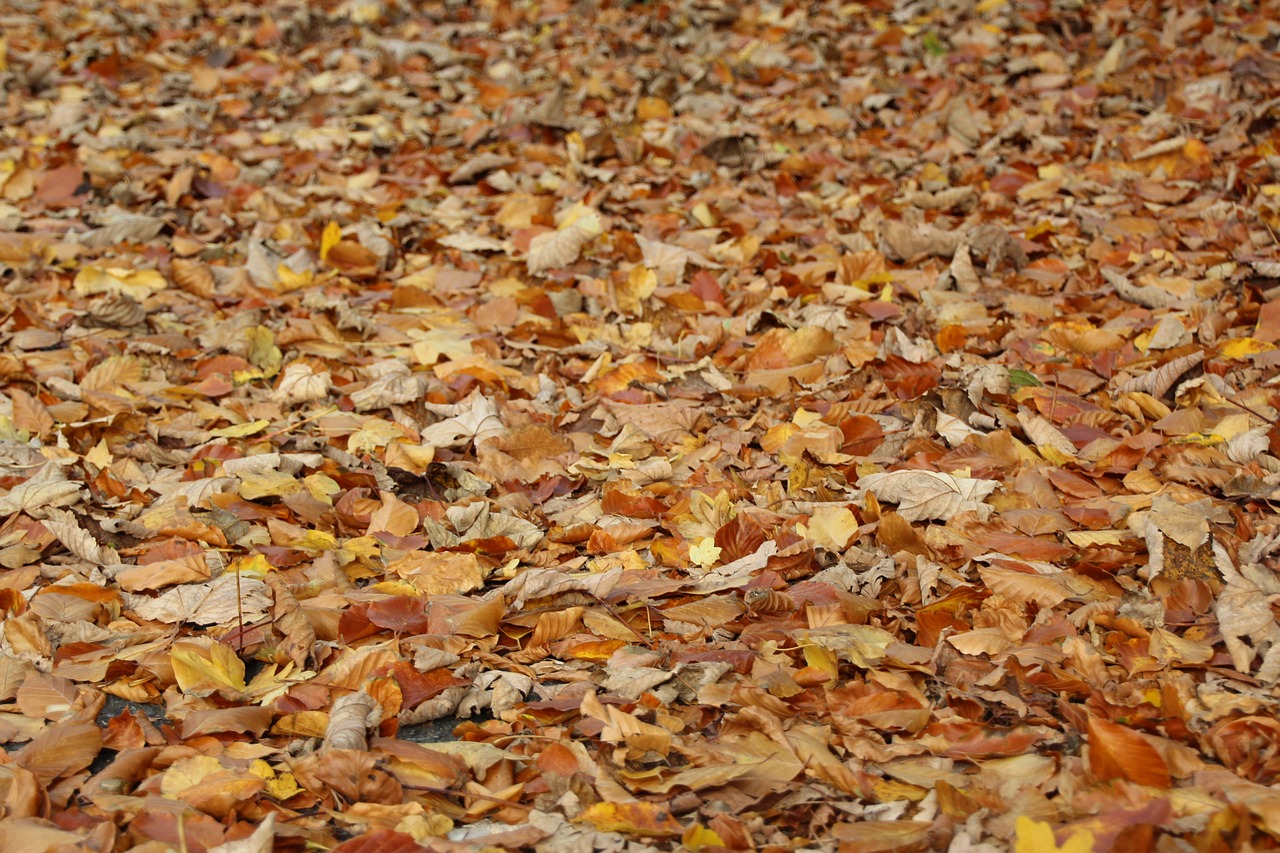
[1118,752]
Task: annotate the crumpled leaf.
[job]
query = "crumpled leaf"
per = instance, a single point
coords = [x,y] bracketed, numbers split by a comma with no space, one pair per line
[349,721]
[219,602]
[49,487]
[476,420]
[922,495]
[576,226]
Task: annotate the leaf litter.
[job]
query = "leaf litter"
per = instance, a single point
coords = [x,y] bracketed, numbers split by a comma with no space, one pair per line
[824,426]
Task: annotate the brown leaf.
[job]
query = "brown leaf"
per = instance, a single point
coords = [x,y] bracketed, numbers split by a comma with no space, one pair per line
[62,749]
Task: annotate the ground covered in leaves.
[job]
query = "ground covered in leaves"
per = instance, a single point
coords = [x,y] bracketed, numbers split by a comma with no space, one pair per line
[803,425]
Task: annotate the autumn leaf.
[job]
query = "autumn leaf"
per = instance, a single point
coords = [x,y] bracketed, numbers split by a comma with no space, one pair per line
[486,426]
[1033,836]
[202,668]
[635,818]
[1117,752]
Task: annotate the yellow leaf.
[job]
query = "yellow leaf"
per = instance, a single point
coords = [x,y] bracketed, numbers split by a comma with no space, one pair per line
[423,827]
[373,435]
[287,279]
[705,553]
[1055,456]
[832,527]
[1199,438]
[201,668]
[241,430]
[186,772]
[777,436]
[321,487]
[698,836]
[1231,426]
[803,418]
[584,217]
[1241,348]
[136,283]
[395,588]
[332,234]
[255,566]
[434,344]
[275,484]
[1032,836]
[316,540]
[263,352]
[822,658]
[640,284]
[279,786]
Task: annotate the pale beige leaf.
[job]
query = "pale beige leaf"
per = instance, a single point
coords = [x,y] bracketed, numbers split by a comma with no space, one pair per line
[349,721]
[556,249]
[48,488]
[186,772]
[1046,591]
[862,645]
[980,641]
[1248,626]
[1045,435]
[478,420]
[928,494]
[302,383]
[389,389]
[29,833]
[1158,382]
[77,540]
[217,602]
[13,671]
[1168,647]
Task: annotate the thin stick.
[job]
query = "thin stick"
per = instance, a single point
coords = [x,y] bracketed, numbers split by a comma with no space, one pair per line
[328,411]
[239,615]
[1253,412]
[449,792]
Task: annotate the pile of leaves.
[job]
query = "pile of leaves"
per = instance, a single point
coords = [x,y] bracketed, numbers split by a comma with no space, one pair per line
[752,426]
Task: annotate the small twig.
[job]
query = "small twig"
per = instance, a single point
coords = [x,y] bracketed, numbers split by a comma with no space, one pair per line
[328,411]
[239,615]
[613,611]
[449,792]
[1253,412]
